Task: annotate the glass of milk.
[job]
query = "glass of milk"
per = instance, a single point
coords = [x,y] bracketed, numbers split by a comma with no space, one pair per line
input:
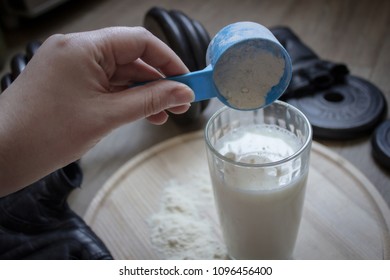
[259,163]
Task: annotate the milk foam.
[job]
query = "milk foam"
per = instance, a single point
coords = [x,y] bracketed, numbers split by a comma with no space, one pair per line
[259,144]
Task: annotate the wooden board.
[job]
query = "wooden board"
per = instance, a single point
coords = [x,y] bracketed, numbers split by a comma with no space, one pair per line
[344,216]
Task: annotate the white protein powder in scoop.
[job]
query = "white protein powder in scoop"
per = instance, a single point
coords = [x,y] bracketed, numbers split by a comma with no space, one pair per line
[246,73]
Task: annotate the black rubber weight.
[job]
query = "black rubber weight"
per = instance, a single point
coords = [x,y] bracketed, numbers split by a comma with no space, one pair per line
[31,49]
[159,22]
[344,111]
[188,29]
[204,38]
[381,144]
[18,62]
[6,81]
[199,40]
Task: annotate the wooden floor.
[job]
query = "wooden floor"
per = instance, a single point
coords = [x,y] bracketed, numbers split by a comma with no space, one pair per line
[354,32]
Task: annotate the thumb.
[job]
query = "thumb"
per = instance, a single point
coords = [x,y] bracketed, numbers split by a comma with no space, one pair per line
[150,99]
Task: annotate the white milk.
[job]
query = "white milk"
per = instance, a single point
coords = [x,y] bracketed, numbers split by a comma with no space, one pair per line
[259,209]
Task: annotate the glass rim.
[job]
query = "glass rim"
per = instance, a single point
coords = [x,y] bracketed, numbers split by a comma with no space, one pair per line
[258,165]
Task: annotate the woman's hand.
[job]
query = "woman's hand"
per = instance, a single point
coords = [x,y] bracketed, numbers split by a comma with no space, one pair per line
[75,90]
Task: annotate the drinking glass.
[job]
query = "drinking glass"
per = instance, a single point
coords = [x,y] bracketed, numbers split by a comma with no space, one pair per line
[259,162]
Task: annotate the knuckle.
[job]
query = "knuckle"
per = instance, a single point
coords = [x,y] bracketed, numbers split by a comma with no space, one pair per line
[154,103]
[141,31]
[61,46]
[59,41]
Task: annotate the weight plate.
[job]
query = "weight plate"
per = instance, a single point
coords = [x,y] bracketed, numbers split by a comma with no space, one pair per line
[381,144]
[31,49]
[195,46]
[159,22]
[344,111]
[6,81]
[199,40]
[18,62]
[204,38]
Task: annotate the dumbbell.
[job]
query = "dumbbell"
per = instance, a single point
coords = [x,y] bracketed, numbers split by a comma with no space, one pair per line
[188,39]
[18,63]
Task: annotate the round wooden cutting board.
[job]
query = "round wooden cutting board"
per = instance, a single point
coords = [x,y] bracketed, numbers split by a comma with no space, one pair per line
[344,216]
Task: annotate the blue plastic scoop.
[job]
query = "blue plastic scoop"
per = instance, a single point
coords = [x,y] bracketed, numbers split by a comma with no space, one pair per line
[247,68]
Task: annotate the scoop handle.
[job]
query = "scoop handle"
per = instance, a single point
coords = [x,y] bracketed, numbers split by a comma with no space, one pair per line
[201,82]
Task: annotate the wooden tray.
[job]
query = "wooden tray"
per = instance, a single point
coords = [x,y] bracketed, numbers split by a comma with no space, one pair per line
[344,216]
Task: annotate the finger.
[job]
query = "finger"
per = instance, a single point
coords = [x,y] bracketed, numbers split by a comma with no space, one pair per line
[159,118]
[179,109]
[135,71]
[126,44]
[149,99]
[162,117]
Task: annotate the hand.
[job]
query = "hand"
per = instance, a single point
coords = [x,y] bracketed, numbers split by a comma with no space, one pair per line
[75,90]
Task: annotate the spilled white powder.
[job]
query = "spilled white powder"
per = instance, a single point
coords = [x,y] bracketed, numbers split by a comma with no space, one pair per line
[246,73]
[186,226]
